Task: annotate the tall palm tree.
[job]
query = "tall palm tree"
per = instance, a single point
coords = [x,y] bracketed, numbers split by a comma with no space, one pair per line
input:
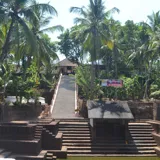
[154,21]
[39,23]
[91,25]
[113,42]
[18,13]
[148,51]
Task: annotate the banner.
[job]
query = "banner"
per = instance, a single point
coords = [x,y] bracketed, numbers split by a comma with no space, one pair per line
[112,83]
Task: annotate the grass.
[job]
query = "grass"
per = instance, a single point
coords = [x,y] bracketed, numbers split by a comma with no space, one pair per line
[113,158]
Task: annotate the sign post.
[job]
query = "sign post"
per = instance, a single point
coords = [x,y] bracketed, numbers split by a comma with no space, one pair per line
[112,83]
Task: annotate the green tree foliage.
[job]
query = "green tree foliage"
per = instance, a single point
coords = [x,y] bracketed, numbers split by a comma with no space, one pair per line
[26,51]
[129,52]
[83,79]
[71,47]
[92,27]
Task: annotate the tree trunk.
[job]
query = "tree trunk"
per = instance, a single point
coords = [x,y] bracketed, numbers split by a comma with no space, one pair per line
[115,63]
[146,89]
[94,56]
[92,77]
[146,92]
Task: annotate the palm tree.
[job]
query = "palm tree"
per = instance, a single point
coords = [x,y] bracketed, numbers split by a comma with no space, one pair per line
[17,14]
[154,21]
[113,43]
[149,48]
[91,25]
[45,52]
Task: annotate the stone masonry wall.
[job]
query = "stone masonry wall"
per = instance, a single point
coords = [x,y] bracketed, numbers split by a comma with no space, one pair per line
[23,112]
[142,110]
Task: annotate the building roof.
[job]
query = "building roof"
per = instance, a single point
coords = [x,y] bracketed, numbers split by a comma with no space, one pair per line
[109,110]
[66,62]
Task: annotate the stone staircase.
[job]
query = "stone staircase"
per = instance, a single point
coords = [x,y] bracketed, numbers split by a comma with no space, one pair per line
[50,156]
[38,132]
[78,140]
[45,120]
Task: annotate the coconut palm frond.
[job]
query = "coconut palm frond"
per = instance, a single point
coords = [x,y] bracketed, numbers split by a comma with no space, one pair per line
[45,8]
[28,33]
[52,29]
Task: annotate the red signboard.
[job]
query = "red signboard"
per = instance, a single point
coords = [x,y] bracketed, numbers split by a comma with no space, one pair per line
[112,83]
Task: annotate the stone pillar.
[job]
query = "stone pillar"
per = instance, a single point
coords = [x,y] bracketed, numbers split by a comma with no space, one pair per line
[156,111]
[155,128]
[93,128]
[126,131]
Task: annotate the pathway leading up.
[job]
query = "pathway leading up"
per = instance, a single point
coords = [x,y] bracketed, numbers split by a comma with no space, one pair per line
[64,106]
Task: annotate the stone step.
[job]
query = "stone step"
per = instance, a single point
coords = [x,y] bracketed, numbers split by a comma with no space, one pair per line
[77,138]
[72,120]
[157,150]
[152,151]
[108,148]
[106,139]
[76,135]
[51,158]
[109,144]
[74,129]
[139,135]
[111,141]
[40,156]
[140,129]
[60,154]
[38,133]
[39,127]
[129,138]
[74,132]
[112,155]
[37,136]
[140,132]
[74,126]
[140,138]
[139,124]
[73,123]
[50,154]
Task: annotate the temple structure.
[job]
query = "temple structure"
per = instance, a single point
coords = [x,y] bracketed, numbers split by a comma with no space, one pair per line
[66,66]
[109,119]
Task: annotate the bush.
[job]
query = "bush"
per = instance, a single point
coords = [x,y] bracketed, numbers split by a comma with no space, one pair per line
[83,79]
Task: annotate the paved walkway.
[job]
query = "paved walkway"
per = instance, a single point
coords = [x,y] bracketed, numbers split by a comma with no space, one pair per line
[65,101]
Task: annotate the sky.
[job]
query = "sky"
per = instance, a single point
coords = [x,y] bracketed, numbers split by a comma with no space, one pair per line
[136,10]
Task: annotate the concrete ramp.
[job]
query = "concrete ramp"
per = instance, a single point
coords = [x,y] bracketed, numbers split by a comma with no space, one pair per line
[64,106]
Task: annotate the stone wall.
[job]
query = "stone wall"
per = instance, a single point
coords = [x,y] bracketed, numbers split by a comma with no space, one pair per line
[82,108]
[145,110]
[22,147]
[156,111]
[141,110]
[23,112]
[48,95]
